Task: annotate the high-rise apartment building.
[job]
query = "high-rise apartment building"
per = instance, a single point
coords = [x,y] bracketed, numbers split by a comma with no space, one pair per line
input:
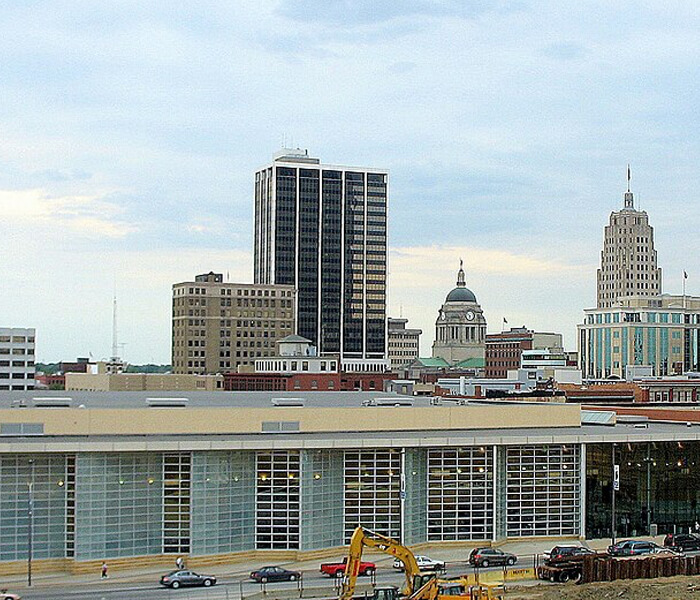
[628,260]
[17,357]
[219,327]
[323,230]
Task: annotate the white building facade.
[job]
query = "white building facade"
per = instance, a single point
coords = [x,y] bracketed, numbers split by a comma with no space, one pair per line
[17,358]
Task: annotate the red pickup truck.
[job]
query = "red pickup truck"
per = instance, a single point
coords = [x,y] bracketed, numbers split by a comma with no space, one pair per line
[338,569]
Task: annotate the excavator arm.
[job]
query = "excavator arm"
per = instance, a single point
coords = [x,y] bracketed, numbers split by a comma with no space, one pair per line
[362,538]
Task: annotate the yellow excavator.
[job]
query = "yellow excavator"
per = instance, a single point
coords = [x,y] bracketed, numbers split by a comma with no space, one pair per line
[418,586]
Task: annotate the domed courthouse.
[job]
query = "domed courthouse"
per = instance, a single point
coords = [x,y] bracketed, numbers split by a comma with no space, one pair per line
[460,329]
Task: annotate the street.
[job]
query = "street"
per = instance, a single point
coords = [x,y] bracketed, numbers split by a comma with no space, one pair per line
[227,588]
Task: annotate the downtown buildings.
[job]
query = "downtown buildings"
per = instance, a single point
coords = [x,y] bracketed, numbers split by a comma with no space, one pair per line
[322,229]
[634,324]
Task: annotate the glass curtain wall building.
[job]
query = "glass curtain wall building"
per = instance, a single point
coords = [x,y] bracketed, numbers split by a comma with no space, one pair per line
[94,506]
[323,229]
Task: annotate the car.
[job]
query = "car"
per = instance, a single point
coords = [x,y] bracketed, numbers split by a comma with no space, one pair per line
[491,557]
[566,554]
[274,573]
[634,548]
[425,563]
[185,577]
[5,595]
[337,569]
[682,542]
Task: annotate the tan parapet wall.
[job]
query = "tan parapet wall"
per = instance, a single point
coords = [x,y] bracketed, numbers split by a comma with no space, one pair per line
[140,382]
[202,421]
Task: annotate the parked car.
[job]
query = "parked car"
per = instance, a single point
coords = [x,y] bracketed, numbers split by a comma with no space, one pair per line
[682,542]
[425,563]
[337,569]
[185,577]
[274,573]
[5,595]
[566,555]
[634,548]
[491,557]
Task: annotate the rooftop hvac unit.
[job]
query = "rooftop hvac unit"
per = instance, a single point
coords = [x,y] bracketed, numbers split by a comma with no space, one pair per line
[388,402]
[287,401]
[167,402]
[50,402]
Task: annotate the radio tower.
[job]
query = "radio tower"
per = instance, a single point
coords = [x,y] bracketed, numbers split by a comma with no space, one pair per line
[115,345]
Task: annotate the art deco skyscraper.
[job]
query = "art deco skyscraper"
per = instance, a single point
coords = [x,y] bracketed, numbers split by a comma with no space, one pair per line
[628,264]
[322,228]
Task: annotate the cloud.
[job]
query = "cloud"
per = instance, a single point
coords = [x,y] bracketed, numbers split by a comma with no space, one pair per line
[430,263]
[89,216]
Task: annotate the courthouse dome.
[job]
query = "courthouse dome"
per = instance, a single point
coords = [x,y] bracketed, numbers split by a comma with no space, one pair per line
[461,293]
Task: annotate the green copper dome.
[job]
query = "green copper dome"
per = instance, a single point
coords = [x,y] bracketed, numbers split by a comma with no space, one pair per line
[461,294]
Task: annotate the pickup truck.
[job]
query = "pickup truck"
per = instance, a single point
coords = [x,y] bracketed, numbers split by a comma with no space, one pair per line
[338,569]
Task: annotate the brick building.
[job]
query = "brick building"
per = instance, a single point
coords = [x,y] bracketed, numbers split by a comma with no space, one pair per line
[504,350]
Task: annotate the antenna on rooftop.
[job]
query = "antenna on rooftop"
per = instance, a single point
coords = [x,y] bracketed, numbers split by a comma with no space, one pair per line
[115,342]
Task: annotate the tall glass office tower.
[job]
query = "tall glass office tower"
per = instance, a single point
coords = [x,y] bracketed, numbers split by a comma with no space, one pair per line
[323,229]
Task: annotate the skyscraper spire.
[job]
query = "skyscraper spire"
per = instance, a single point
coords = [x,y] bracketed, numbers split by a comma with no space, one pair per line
[629,196]
[629,176]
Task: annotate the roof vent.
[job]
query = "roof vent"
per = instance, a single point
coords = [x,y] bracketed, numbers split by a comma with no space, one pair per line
[51,402]
[388,402]
[167,402]
[287,401]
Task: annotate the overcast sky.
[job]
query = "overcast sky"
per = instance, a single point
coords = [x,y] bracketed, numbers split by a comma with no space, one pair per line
[130,133]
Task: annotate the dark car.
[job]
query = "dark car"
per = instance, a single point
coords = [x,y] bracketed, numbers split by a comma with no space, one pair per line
[682,542]
[566,554]
[634,548]
[184,577]
[491,557]
[274,573]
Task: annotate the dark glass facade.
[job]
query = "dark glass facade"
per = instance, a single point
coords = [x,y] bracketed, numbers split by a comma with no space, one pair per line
[659,484]
[285,227]
[324,230]
[307,254]
[354,241]
[375,298]
[331,257]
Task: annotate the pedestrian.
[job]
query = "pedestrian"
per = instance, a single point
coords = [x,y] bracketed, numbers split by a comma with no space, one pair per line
[179,563]
[104,571]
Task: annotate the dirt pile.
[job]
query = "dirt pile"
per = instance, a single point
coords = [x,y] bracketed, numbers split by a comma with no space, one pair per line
[672,588]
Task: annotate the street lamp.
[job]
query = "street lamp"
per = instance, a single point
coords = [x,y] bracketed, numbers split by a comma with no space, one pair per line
[30,522]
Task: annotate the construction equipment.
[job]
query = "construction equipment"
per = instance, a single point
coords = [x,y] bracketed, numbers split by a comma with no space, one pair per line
[419,586]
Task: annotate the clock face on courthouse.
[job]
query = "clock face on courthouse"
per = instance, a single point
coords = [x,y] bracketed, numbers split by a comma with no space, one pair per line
[470,315]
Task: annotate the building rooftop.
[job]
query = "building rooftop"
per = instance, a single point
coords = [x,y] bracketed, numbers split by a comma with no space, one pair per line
[194,399]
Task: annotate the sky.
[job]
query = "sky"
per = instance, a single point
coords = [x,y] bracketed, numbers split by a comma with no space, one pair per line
[130,133]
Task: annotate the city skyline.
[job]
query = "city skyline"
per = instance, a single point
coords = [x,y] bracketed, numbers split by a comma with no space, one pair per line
[131,135]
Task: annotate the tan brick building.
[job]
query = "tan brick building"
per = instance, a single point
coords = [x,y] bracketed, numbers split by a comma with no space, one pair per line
[220,327]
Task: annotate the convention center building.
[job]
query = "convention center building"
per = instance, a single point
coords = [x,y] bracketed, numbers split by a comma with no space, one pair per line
[88,476]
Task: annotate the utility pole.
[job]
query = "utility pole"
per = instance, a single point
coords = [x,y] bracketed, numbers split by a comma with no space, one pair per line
[648,461]
[615,488]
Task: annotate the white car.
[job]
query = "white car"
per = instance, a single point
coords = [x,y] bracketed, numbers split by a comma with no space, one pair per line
[425,563]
